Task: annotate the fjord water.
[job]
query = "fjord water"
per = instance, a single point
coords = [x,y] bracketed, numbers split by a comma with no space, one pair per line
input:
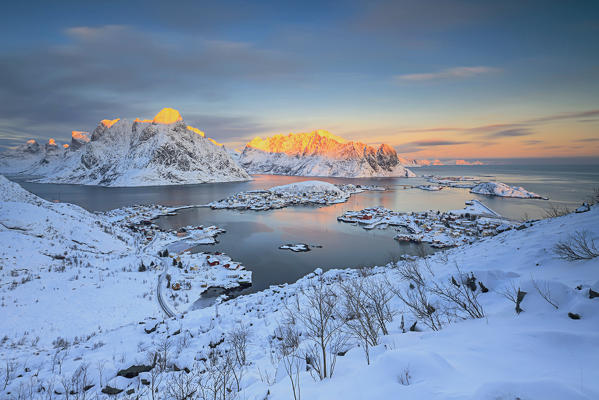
[253,237]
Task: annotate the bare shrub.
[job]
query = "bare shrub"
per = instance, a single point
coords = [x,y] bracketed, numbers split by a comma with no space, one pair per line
[515,295]
[545,293]
[417,297]
[435,303]
[77,382]
[163,354]
[578,246]
[156,375]
[285,345]
[405,378]
[238,339]
[182,386]
[460,296]
[366,311]
[555,210]
[379,296]
[217,376]
[317,316]
[8,372]
[360,323]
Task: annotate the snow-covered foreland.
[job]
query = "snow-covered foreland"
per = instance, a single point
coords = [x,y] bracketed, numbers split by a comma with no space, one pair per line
[477,185]
[503,190]
[461,182]
[162,151]
[264,345]
[430,188]
[320,153]
[298,193]
[439,229]
[65,272]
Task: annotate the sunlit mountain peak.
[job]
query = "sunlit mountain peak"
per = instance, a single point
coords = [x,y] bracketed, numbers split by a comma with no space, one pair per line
[109,122]
[167,116]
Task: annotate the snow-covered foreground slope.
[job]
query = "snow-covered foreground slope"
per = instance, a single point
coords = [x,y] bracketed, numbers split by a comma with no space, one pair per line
[547,351]
[162,151]
[320,153]
[65,272]
[52,253]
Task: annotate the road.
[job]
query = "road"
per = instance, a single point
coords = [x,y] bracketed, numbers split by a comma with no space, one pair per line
[165,307]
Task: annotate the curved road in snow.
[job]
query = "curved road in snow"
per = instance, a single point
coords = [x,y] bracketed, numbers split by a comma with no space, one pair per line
[163,304]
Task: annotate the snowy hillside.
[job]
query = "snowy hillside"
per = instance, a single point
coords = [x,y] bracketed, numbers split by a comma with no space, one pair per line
[510,316]
[52,253]
[320,153]
[65,272]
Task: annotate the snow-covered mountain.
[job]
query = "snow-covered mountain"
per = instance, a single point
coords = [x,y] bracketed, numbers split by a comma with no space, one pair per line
[28,155]
[120,152]
[320,153]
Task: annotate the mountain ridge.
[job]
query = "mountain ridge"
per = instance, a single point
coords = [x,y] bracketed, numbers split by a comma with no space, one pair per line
[320,153]
[121,152]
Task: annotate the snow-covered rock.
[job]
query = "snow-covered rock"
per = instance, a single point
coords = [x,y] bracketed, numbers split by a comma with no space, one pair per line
[79,139]
[503,190]
[583,208]
[320,153]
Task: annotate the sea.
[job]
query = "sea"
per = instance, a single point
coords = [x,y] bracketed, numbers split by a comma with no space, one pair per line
[253,237]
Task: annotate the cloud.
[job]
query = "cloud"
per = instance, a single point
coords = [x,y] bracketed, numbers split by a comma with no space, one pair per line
[565,115]
[420,145]
[230,128]
[436,142]
[587,140]
[413,17]
[450,73]
[119,71]
[512,132]
[532,142]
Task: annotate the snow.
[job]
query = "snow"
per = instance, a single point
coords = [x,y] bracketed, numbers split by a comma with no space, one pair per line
[540,353]
[503,190]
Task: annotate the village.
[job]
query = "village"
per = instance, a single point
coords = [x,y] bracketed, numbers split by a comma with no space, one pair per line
[186,274]
[439,229]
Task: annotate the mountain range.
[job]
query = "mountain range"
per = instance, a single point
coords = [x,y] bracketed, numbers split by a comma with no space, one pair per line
[120,152]
[320,153]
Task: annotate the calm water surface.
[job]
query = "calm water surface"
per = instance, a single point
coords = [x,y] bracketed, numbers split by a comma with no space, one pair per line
[253,237]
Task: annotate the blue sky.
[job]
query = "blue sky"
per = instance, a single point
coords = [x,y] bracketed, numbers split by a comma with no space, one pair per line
[435,79]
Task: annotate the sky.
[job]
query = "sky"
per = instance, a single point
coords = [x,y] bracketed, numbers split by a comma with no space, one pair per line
[446,79]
